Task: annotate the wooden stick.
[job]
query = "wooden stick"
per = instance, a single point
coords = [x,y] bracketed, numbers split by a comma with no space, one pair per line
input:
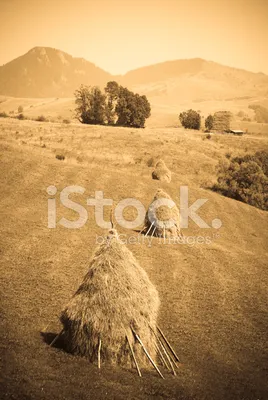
[99,349]
[146,352]
[56,338]
[158,340]
[142,229]
[133,355]
[161,356]
[168,345]
[168,358]
[154,231]
[149,229]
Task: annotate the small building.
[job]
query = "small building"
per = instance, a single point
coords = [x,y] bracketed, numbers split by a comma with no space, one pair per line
[237,132]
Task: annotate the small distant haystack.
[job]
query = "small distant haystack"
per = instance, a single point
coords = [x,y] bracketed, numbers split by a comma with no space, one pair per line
[222,121]
[161,172]
[162,218]
[115,299]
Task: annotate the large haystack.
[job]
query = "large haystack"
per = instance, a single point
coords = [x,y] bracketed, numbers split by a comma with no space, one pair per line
[162,220]
[222,121]
[115,297]
[161,172]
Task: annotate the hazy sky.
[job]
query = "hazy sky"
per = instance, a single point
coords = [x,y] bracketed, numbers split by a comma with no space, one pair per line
[120,35]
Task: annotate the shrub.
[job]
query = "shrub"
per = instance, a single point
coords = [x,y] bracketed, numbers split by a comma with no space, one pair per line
[190,119]
[20,109]
[3,114]
[41,118]
[245,179]
[209,122]
[208,136]
[21,116]
[60,157]
[240,114]
[66,121]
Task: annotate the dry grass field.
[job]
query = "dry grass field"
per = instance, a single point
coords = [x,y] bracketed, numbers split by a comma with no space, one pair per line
[213,296]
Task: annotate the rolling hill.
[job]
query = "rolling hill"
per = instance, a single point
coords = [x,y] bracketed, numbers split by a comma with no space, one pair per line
[213,295]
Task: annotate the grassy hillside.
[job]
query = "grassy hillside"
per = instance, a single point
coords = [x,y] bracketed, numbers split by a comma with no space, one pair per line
[164,113]
[213,296]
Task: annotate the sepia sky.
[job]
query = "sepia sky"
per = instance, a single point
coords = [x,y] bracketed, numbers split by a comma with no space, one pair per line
[120,35]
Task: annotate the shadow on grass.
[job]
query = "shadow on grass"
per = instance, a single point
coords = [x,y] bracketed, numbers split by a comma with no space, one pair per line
[53,339]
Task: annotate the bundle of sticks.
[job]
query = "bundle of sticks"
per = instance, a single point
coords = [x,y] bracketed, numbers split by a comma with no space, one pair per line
[167,355]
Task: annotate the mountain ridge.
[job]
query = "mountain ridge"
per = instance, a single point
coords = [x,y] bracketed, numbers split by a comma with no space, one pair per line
[49,72]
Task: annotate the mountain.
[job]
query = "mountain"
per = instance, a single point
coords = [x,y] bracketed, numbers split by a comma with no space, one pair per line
[195,80]
[47,72]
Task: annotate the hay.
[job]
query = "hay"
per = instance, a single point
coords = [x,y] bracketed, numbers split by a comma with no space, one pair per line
[222,121]
[115,296]
[161,172]
[160,223]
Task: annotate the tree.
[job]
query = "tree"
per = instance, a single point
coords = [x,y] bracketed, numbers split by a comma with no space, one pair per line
[132,109]
[209,122]
[91,106]
[245,179]
[190,119]
[118,106]
[112,92]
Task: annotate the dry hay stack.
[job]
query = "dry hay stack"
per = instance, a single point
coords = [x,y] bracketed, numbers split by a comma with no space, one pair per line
[161,172]
[222,121]
[115,297]
[159,224]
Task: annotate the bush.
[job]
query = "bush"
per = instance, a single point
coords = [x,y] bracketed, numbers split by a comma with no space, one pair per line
[190,119]
[66,121]
[240,114]
[3,114]
[60,157]
[209,123]
[21,116]
[20,109]
[245,179]
[41,118]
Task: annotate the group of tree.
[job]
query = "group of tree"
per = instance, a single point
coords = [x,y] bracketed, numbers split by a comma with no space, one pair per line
[191,119]
[117,105]
[245,179]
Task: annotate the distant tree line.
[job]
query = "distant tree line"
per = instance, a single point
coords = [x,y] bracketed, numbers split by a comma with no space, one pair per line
[117,105]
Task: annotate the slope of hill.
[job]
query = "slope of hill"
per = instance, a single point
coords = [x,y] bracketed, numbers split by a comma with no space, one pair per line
[47,72]
[195,80]
[213,295]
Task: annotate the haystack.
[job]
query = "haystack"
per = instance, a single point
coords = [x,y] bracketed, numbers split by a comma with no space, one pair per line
[115,301]
[161,172]
[162,220]
[222,121]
